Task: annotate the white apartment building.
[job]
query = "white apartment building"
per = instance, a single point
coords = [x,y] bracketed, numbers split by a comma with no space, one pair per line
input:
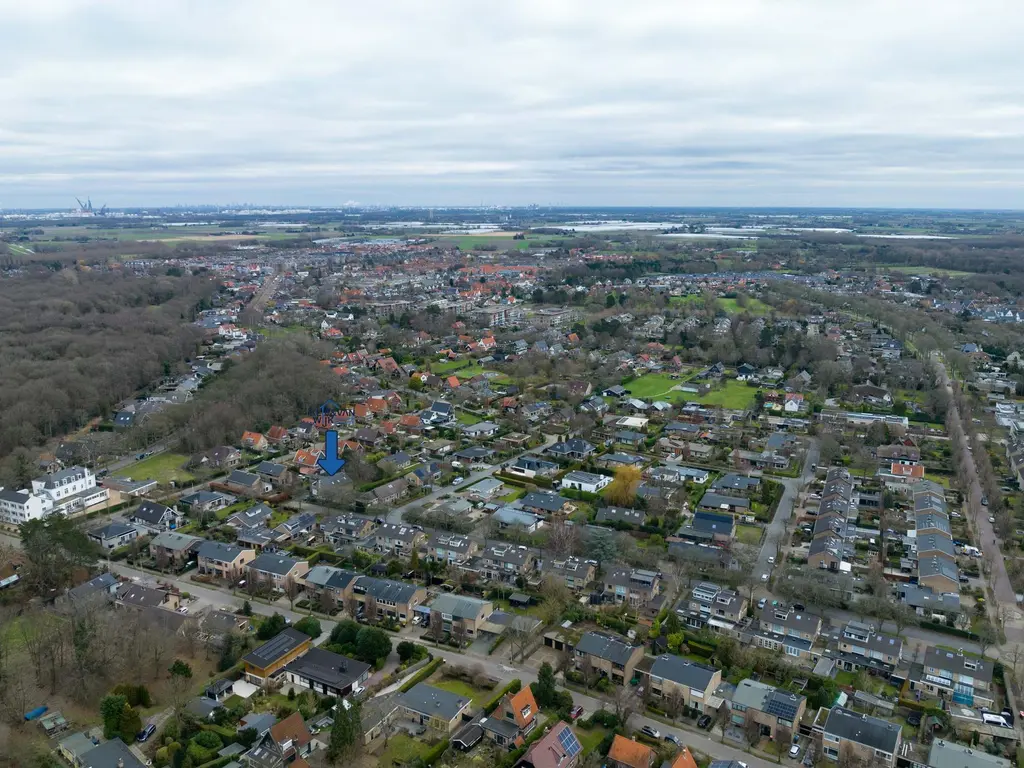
[61,492]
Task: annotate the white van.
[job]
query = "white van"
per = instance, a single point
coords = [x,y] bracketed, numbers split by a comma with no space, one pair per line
[990,718]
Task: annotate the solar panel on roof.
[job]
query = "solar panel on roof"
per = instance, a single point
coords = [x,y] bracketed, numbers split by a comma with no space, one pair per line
[569,742]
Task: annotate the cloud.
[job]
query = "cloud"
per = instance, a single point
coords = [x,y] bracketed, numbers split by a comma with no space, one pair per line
[663,103]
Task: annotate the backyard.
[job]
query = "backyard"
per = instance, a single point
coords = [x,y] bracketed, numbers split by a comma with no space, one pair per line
[462,688]
[163,467]
[734,394]
[748,534]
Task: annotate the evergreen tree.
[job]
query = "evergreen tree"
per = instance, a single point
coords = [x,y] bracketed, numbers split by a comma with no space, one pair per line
[345,733]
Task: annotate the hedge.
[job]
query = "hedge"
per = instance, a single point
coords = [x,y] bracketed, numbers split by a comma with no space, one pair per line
[936,626]
[514,686]
[433,754]
[231,734]
[422,675]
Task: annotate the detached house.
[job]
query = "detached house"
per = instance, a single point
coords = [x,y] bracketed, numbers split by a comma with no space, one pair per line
[154,517]
[513,721]
[574,449]
[174,548]
[114,535]
[254,441]
[277,570]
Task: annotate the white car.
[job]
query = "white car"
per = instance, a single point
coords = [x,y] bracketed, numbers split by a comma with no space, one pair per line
[794,751]
[764,577]
[771,561]
[183,609]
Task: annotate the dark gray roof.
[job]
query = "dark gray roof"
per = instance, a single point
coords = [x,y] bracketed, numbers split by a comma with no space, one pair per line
[622,515]
[245,479]
[276,564]
[682,671]
[17,497]
[735,482]
[56,478]
[958,663]
[151,512]
[136,594]
[549,502]
[111,754]
[434,702]
[218,550]
[783,704]
[717,500]
[276,647]
[604,646]
[270,469]
[329,668]
[863,729]
[397,592]
[112,530]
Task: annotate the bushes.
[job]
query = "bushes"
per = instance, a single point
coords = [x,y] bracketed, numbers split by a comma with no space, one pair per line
[136,695]
[422,675]
[605,719]
[433,754]
[309,626]
[514,686]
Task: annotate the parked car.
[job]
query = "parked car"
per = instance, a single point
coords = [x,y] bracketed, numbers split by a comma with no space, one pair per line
[654,733]
[794,751]
[146,732]
[764,577]
[704,721]
[674,739]
[576,712]
[762,603]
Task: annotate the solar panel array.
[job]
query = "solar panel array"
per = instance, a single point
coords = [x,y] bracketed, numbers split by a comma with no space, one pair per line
[569,742]
[781,706]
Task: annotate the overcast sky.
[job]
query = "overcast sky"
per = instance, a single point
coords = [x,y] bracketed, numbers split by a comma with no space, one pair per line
[811,102]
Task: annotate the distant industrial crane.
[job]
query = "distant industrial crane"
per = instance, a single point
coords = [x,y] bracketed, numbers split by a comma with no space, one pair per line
[86,208]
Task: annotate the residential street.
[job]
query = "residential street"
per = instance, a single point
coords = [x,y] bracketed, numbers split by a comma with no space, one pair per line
[495,666]
[774,538]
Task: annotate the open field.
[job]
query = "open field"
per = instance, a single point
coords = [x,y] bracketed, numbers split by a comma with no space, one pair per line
[449,366]
[653,385]
[754,307]
[164,468]
[908,269]
[467,418]
[501,241]
[156,234]
[735,394]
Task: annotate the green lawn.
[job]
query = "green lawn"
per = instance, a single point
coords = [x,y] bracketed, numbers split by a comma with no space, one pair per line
[590,740]
[653,385]
[467,418]
[518,493]
[164,467]
[402,750]
[461,688]
[450,366]
[754,306]
[735,394]
[748,534]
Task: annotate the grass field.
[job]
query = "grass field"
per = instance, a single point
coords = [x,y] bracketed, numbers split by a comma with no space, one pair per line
[907,269]
[164,467]
[653,385]
[449,366]
[467,418]
[748,534]
[754,307]
[735,394]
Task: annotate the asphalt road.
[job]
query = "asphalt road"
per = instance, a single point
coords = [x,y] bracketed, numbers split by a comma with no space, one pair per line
[774,538]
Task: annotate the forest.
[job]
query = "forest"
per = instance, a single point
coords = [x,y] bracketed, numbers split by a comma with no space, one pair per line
[75,343]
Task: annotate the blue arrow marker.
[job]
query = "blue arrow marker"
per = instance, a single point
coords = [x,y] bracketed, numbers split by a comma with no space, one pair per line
[329,462]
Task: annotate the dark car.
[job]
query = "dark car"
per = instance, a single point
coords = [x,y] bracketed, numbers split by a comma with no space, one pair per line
[146,732]
[704,721]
